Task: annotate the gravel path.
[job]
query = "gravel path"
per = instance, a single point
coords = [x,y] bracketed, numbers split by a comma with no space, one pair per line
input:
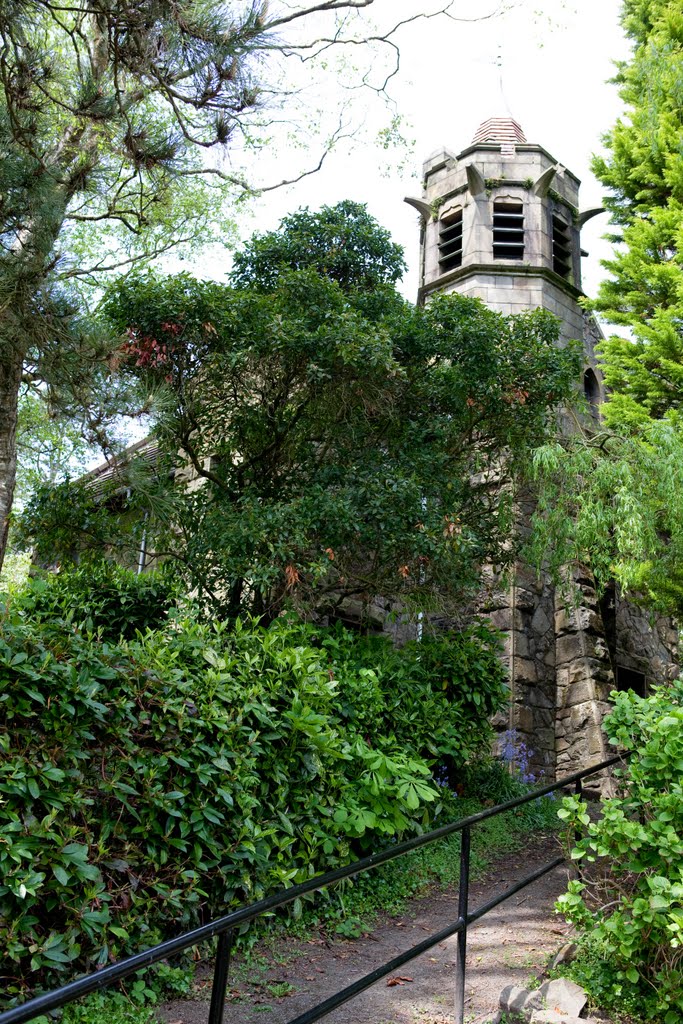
[509,945]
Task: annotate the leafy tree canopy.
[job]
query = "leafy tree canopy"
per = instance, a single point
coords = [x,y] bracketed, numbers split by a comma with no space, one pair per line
[614,502]
[346,447]
[342,242]
[49,447]
[103,107]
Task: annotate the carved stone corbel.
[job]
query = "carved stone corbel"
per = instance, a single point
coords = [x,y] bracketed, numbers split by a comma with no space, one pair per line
[475,180]
[424,209]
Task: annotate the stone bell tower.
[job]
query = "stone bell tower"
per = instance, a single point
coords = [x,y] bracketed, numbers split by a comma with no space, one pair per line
[501,222]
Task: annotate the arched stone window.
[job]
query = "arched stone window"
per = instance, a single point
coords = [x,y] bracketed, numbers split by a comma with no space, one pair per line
[591,390]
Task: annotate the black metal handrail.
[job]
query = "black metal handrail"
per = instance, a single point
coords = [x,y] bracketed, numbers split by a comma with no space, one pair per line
[224,926]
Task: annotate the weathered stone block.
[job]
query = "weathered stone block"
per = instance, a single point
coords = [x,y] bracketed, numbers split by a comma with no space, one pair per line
[524,719]
[545,718]
[581,618]
[543,739]
[565,954]
[568,648]
[580,717]
[525,599]
[525,670]
[505,619]
[521,645]
[562,677]
[595,744]
[585,668]
[539,698]
[579,692]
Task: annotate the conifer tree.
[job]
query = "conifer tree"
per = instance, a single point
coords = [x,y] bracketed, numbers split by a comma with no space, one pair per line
[613,500]
[107,111]
[101,106]
[644,172]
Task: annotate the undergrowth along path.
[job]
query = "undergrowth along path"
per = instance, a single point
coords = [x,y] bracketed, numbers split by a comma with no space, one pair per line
[509,946]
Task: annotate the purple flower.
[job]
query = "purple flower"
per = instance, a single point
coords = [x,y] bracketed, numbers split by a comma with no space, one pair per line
[517,755]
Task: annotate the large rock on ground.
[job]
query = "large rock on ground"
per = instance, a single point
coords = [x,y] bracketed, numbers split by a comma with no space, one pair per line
[563,996]
[555,1002]
[513,999]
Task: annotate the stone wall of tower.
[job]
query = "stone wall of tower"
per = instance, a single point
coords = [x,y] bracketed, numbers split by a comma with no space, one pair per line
[567,647]
[566,652]
[513,290]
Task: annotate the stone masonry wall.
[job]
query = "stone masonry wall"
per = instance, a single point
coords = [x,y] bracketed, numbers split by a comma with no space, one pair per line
[523,610]
[645,643]
[584,678]
[564,660]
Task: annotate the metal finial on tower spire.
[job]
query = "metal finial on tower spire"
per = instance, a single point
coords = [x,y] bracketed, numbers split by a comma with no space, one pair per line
[501,129]
[502,103]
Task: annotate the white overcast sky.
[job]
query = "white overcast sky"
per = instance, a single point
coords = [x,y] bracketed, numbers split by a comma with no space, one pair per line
[557,56]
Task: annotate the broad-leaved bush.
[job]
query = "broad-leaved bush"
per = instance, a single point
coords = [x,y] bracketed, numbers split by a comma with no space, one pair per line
[148,783]
[99,597]
[629,906]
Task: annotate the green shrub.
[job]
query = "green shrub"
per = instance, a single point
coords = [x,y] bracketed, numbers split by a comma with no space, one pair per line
[629,908]
[434,697]
[148,783]
[99,597]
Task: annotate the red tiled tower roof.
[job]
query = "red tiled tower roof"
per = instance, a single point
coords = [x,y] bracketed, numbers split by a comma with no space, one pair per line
[499,131]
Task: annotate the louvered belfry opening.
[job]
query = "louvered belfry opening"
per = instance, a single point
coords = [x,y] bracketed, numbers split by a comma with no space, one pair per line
[508,230]
[562,253]
[450,241]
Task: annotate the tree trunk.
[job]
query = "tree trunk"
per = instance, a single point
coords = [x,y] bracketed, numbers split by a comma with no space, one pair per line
[11,364]
[25,274]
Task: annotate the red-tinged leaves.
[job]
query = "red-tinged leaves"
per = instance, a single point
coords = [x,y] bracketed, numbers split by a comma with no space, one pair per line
[292,576]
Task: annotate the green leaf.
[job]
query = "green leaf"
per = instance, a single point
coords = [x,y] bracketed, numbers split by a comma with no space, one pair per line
[60,874]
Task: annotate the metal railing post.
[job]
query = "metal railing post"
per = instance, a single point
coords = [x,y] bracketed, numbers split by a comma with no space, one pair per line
[463,899]
[220,978]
